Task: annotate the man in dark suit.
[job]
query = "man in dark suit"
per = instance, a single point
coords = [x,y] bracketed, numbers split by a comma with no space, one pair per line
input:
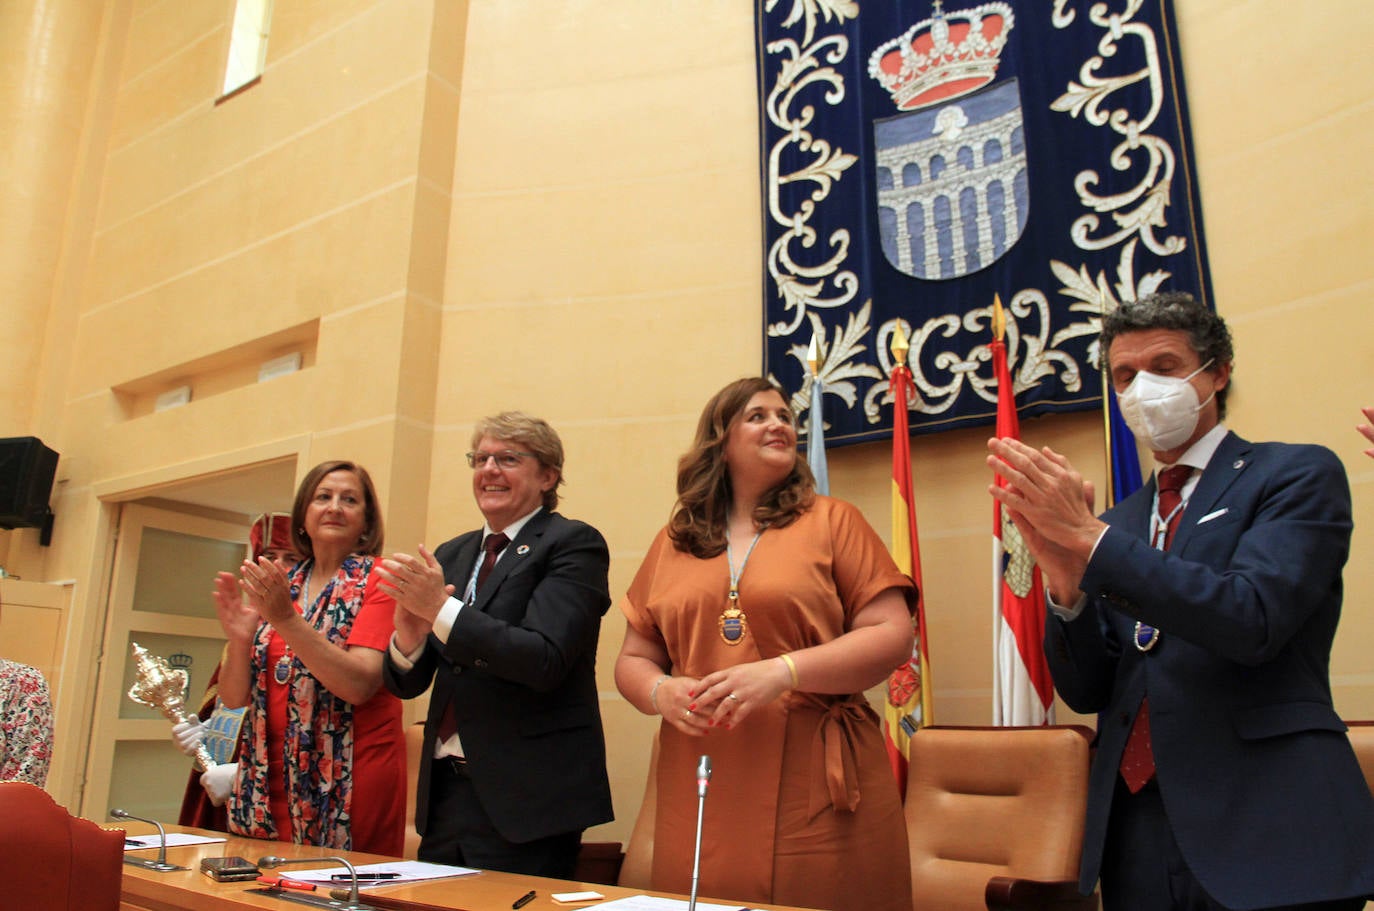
[1196,619]
[505,622]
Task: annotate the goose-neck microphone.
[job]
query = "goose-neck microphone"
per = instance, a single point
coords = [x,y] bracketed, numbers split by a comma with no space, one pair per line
[160,865]
[703,779]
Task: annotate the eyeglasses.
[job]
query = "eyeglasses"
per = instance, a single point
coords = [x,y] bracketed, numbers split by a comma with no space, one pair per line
[506,458]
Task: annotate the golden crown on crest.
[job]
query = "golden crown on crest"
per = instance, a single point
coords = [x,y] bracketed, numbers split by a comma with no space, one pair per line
[945,56]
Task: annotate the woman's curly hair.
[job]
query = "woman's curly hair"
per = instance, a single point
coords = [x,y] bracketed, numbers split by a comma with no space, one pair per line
[703,483]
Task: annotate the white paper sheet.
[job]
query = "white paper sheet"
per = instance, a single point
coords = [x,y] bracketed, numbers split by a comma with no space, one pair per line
[408,871]
[653,903]
[174,839]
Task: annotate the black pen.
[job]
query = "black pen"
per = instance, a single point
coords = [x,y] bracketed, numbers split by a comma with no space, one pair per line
[346,877]
[524,900]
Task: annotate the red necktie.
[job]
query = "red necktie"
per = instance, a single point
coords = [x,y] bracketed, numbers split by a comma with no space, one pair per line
[1138,759]
[491,549]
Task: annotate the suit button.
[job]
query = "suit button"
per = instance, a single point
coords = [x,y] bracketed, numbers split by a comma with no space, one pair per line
[457,669]
[480,662]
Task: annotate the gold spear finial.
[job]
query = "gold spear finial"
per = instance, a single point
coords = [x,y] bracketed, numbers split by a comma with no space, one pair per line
[999,318]
[813,355]
[900,346]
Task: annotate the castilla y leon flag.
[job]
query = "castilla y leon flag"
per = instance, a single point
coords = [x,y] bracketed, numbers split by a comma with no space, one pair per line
[908,704]
[1022,691]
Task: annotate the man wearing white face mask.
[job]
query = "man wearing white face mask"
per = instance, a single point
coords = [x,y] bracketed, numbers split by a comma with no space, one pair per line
[1196,619]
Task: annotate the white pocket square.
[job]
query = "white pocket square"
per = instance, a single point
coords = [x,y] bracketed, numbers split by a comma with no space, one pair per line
[1213,515]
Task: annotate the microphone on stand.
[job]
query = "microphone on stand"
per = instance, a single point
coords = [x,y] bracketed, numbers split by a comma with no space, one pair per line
[343,901]
[703,779]
[160,865]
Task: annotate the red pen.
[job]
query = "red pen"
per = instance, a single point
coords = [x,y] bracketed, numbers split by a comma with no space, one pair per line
[280,882]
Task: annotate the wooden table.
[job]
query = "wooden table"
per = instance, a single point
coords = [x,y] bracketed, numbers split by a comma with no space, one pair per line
[191,890]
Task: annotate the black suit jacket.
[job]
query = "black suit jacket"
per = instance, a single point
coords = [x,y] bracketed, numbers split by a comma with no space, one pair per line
[1259,783]
[520,671]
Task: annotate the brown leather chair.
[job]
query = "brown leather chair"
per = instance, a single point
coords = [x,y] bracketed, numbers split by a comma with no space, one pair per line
[1361,735]
[598,862]
[52,861]
[415,741]
[995,817]
[637,869]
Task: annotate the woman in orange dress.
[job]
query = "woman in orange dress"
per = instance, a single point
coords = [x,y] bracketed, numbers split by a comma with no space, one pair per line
[322,755]
[756,621]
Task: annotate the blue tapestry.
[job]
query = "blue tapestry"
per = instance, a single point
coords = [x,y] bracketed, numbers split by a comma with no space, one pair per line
[920,157]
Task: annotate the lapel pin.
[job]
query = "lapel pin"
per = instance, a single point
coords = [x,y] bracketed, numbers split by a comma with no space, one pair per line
[1238,463]
[522,550]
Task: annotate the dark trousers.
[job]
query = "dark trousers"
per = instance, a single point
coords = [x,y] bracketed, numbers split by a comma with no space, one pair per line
[460,833]
[1143,869]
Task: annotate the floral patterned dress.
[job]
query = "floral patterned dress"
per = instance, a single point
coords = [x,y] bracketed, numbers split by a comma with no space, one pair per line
[315,769]
[25,724]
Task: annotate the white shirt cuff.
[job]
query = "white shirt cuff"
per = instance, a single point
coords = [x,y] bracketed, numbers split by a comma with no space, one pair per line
[400,659]
[1066,613]
[1071,611]
[448,614]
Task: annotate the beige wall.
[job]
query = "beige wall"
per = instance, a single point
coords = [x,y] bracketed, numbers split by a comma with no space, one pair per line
[459,207]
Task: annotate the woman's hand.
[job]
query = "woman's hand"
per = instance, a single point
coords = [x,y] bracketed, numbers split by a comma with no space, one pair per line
[643,674]
[268,590]
[239,620]
[677,702]
[727,697]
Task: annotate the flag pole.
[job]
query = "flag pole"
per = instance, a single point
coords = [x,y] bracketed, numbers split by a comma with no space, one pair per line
[1108,446]
[999,328]
[909,702]
[815,421]
[1023,688]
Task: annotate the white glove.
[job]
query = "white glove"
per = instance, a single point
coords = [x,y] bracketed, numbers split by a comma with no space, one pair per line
[187,735]
[219,781]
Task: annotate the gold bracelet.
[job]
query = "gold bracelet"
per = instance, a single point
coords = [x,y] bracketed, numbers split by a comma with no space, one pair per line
[653,692]
[792,669]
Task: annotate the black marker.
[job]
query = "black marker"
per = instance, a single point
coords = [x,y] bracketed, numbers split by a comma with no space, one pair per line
[524,900]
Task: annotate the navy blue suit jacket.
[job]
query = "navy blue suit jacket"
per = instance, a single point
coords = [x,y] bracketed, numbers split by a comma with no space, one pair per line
[1259,782]
[519,669]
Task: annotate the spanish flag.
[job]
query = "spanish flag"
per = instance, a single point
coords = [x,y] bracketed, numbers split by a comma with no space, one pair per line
[908,688]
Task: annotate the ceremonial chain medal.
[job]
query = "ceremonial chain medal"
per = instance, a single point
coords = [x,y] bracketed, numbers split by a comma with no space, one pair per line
[734,626]
[282,671]
[1146,636]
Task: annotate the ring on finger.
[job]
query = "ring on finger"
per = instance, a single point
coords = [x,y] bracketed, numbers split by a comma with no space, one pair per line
[686,713]
[733,696]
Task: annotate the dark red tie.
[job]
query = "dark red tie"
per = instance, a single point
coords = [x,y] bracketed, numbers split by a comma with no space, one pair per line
[491,549]
[1138,759]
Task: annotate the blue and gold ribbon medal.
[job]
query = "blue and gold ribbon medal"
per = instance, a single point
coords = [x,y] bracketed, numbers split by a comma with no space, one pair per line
[734,625]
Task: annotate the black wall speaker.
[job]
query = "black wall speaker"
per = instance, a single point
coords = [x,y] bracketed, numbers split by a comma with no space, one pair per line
[27,468]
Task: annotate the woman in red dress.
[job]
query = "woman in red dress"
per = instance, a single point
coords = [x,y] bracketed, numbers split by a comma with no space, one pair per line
[322,759]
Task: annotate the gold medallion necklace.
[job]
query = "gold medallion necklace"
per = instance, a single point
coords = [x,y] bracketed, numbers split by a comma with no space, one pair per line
[282,671]
[733,624]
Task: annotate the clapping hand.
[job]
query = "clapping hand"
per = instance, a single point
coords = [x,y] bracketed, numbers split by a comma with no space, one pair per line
[238,618]
[268,590]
